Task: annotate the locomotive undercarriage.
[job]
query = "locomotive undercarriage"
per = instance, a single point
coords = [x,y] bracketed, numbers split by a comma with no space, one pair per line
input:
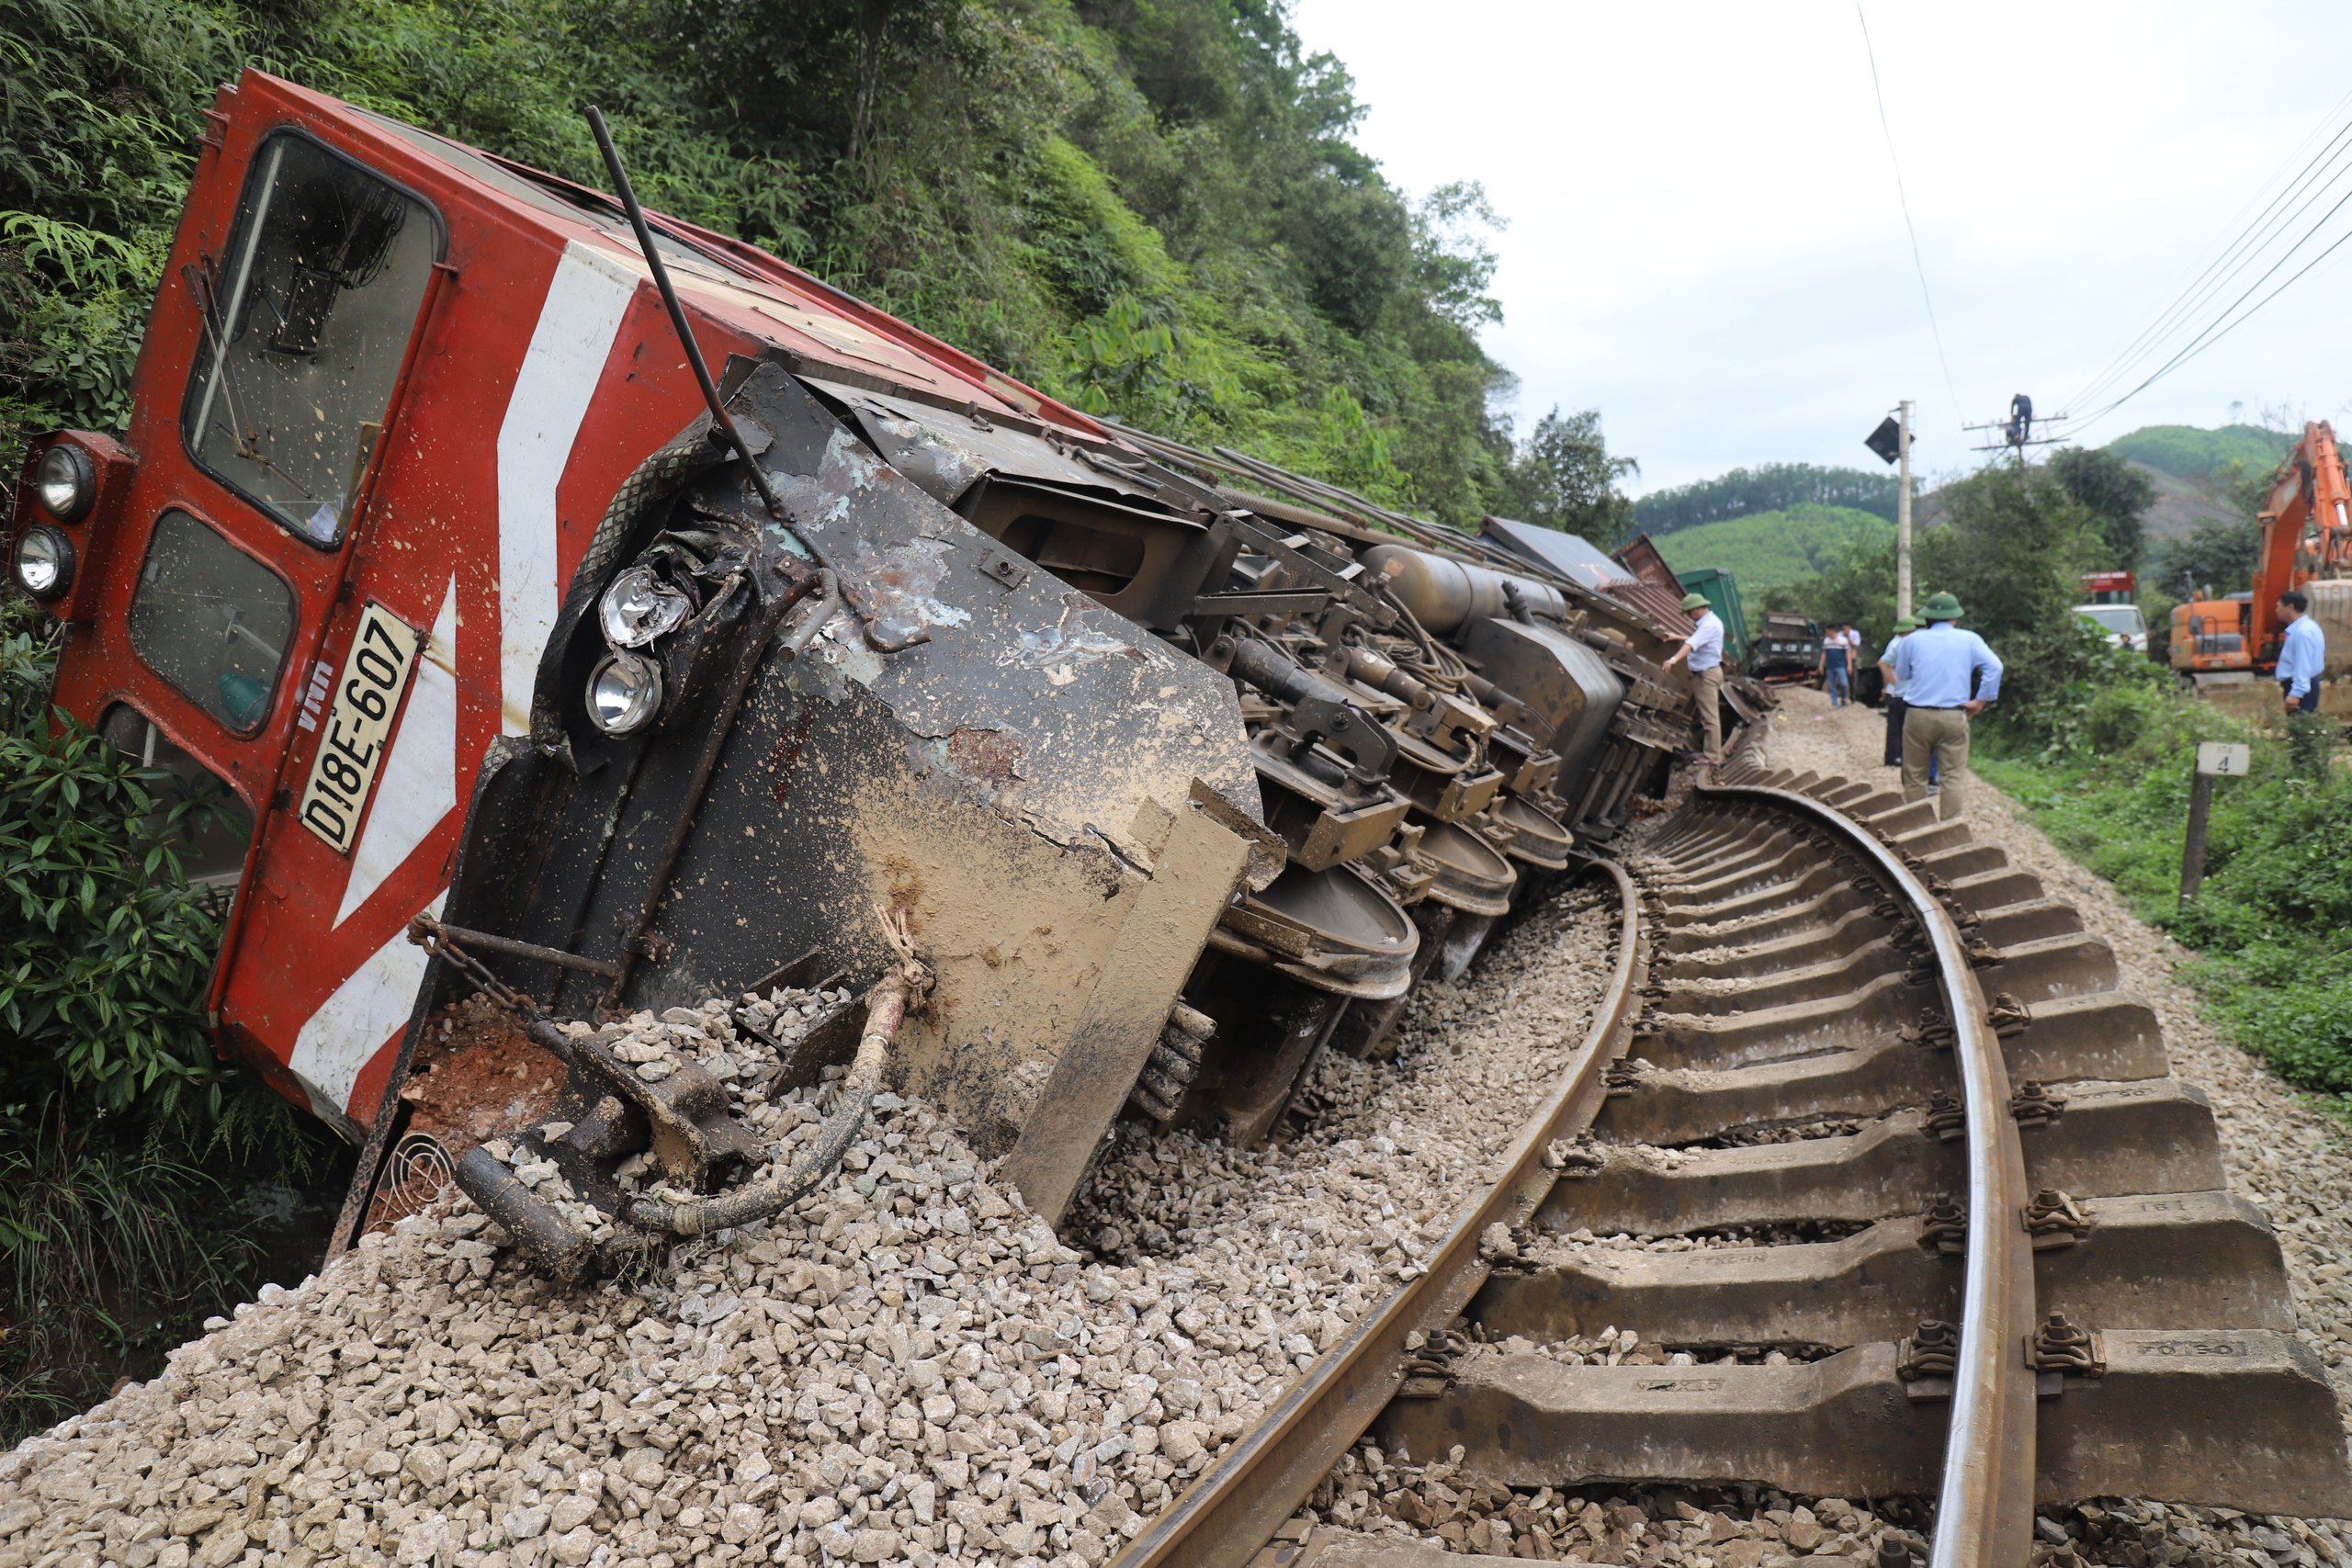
[1170,786]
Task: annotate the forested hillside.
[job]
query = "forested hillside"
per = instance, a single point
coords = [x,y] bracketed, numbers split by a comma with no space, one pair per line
[1149,208]
[1773,548]
[1768,487]
[2186,451]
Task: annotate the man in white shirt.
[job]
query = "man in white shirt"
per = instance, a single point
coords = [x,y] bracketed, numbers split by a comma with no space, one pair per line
[2302,656]
[1704,651]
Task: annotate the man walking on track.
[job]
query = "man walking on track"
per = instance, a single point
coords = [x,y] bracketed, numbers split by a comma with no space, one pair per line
[1936,667]
[2302,656]
[1837,658]
[1894,689]
[1704,649]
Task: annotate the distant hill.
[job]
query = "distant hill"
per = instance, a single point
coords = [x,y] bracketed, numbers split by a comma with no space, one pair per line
[2188,467]
[1767,487]
[1771,547]
[2186,451]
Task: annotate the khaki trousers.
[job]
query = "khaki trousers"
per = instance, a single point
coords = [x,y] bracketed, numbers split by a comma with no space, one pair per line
[1943,734]
[1707,690]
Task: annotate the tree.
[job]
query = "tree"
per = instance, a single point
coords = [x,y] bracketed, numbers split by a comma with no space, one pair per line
[2218,554]
[1562,477]
[2013,551]
[2114,490]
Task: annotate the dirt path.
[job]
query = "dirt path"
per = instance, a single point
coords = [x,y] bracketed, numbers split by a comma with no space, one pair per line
[2296,1163]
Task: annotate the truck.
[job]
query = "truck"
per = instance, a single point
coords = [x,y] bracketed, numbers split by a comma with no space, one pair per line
[1788,648]
[580,613]
[2304,544]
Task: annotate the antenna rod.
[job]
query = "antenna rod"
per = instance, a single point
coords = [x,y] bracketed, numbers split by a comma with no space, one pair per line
[723,422]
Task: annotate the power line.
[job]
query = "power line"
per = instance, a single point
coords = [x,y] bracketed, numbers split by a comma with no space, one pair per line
[1903,197]
[2239,253]
[2203,341]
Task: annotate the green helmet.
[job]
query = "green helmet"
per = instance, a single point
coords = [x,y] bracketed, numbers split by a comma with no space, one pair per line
[1695,601]
[1941,607]
[1908,623]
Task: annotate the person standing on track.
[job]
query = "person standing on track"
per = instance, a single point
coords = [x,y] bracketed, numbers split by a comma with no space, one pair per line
[1936,666]
[1704,650]
[2302,654]
[1837,660]
[1894,689]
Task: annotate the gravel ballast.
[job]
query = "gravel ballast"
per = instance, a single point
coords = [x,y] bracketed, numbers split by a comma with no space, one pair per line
[906,1367]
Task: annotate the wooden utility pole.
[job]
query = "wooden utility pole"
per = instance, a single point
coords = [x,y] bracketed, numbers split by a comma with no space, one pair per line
[1903,512]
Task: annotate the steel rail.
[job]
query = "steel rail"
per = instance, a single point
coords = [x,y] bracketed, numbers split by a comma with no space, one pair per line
[1223,1518]
[1984,1507]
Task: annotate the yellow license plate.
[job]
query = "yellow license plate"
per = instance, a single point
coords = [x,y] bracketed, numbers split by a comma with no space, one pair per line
[367,700]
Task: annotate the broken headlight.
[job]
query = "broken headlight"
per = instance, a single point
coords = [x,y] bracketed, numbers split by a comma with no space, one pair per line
[640,606]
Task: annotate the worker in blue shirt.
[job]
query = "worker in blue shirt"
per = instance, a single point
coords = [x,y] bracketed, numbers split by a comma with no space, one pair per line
[1948,676]
[1704,649]
[2301,656]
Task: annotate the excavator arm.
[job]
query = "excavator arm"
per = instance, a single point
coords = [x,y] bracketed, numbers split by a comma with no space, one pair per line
[2306,533]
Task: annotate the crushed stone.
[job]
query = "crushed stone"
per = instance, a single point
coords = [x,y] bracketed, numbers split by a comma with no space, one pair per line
[907,1367]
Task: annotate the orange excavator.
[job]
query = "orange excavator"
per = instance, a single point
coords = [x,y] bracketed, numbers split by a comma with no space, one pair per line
[2306,544]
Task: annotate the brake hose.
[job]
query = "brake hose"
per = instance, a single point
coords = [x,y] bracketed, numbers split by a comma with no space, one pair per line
[887,1006]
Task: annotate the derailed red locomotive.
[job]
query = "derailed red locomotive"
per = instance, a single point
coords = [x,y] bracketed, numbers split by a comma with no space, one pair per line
[423,550]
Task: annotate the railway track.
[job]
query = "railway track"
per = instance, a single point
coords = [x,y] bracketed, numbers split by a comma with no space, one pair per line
[1866,1147]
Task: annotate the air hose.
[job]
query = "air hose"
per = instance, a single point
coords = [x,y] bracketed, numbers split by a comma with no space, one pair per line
[899,991]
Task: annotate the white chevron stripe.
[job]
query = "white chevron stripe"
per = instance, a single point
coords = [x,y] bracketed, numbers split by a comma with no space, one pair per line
[574,337]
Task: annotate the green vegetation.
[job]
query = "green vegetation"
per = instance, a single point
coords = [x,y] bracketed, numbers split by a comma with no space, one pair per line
[2186,451]
[2273,920]
[1149,208]
[1774,547]
[1774,487]
[111,1248]
[2116,494]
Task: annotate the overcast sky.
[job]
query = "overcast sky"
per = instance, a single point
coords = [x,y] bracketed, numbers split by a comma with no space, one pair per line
[1704,239]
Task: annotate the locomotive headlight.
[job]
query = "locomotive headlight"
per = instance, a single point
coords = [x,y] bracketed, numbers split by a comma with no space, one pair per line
[65,481]
[44,562]
[638,608]
[624,693]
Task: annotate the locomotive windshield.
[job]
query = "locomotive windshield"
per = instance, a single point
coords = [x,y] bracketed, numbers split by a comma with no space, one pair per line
[306,321]
[212,621]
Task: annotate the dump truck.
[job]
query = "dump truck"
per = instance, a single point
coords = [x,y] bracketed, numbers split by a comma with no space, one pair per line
[576,614]
[1788,649]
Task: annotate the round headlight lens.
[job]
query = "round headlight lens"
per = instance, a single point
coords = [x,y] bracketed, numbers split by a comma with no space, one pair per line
[65,481]
[44,562]
[624,693]
[638,608]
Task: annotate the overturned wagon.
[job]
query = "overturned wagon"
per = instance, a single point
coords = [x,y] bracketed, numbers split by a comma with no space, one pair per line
[1123,778]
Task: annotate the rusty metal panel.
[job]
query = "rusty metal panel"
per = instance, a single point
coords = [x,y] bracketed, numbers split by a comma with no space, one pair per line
[1656,591]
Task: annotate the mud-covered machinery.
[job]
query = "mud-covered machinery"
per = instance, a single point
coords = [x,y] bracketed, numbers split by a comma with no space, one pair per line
[1173,794]
[1116,777]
